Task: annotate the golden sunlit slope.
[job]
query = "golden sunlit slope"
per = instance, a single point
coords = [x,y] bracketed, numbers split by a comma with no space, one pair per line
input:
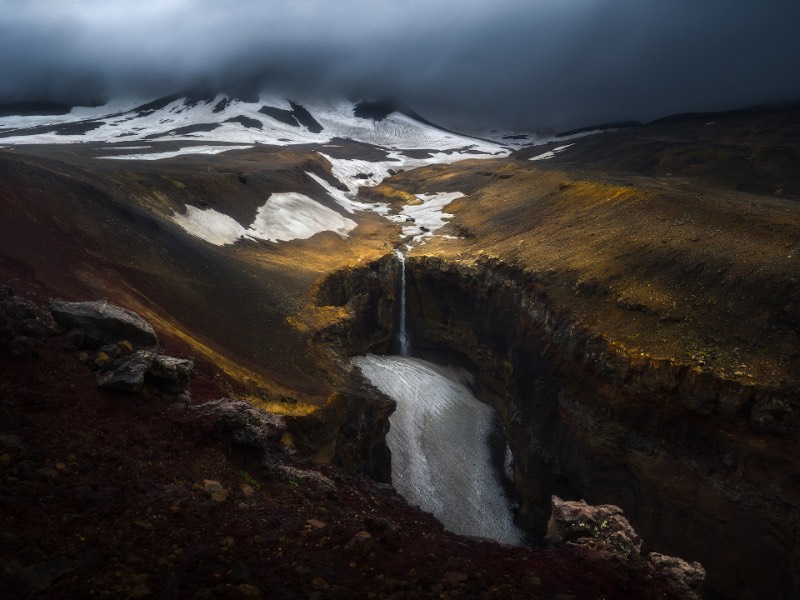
[93,228]
[658,266]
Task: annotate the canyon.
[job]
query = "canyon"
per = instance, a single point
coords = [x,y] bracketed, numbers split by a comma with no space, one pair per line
[629,306]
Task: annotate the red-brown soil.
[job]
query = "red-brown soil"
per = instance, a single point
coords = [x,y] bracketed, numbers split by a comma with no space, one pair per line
[112,487]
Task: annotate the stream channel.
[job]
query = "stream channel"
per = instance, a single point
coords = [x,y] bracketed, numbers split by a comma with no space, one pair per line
[443,442]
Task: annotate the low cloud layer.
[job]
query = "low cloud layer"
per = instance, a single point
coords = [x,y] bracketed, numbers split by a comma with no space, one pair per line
[517,63]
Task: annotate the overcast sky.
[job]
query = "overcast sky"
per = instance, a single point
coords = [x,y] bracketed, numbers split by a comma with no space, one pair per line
[532,63]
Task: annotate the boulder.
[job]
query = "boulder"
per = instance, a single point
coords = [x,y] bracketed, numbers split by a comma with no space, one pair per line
[246,425]
[104,323]
[170,374]
[604,528]
[685,579]
[129,374]
[600,527]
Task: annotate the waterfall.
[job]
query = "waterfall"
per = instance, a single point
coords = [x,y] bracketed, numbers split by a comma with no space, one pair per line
[440,441]
[402,332]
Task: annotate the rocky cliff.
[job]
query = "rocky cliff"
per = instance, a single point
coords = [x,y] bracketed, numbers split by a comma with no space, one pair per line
[686,453]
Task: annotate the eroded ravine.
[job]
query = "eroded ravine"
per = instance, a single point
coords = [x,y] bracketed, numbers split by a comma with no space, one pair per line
[440,438]
[588,419]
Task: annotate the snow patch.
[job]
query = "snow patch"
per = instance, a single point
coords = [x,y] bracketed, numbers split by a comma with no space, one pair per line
[355,173]
[344,199]
[293,216]
[428,217]
[174,153]
[283,217]
[209,225]
[551,153]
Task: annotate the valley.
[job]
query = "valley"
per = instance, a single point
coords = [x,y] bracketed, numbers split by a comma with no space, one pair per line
[630,304]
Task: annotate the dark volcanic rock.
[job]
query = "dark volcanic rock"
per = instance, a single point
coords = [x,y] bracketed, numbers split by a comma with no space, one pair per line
[605,529]
[129,374]
[145,367]
[247,425]
[279,114]
[589,418]
[104,322]
[301,113]
[685,579]
[170,374]
[246,122]
[600,527]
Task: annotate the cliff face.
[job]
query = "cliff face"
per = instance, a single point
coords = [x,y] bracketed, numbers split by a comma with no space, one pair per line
[351,427]
[134,494]
[701,465]
[686,454]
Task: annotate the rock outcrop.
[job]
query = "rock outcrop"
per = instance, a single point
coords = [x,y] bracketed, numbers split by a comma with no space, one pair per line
[369,294]
[121,367]
[586,417]
[246,425]
[682,450]
[104,323]
[169,373]
[604,529]
[129,374]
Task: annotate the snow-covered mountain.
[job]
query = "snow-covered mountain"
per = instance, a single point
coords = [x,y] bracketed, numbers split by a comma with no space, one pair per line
[167,127]
[270,120]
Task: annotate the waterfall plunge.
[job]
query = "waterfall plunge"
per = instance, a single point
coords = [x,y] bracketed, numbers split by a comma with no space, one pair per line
[439,438]
[402,332]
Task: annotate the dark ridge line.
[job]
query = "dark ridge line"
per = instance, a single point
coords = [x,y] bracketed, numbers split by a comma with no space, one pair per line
[246,122]
[304,117]
[77,128]
[299,115]
[221,105]
[377,110]
[754,110]
[382,108]
[602,127]
[157,104]
[200,127]
[279,114]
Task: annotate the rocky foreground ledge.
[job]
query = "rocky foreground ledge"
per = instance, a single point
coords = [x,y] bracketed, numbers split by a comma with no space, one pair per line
[168,489]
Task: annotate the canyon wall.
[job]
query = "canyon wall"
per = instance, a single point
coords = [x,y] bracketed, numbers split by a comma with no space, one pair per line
[705,468]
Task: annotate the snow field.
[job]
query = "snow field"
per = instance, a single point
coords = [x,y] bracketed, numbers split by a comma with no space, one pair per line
[283,217]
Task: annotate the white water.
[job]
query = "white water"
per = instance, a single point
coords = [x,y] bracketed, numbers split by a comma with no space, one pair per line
[439,438]
[402,331]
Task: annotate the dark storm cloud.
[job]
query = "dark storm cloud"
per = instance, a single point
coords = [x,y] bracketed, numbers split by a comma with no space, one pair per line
[541,63]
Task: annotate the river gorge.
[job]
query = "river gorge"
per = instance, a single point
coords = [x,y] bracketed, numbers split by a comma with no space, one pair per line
[584,418]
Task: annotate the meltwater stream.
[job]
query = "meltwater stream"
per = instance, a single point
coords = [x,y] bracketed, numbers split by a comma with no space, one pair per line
[440,443]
